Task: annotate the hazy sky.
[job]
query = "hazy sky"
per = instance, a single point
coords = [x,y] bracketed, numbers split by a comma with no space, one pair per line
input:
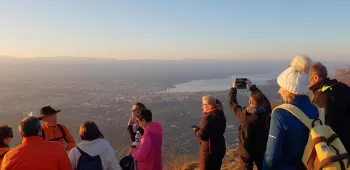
[175,29]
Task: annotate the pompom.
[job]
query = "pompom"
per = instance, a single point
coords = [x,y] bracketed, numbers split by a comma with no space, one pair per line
[301,63]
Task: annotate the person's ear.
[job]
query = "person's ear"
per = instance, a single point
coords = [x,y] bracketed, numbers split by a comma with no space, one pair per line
[316,78]
[21,134]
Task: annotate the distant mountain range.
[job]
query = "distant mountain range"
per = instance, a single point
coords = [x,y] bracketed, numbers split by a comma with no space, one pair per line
[169,71]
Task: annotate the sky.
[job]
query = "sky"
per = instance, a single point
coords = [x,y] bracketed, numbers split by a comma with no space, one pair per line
[175,29]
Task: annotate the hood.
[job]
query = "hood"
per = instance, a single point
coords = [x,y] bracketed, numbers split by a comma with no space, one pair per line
[3,150]
[155,127]
[322,83]
[95,147]
[254,110]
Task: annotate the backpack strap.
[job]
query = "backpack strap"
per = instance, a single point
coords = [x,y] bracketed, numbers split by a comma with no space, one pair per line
[82,152]
[298,114]
[62,131]
[43,133]
[56,139]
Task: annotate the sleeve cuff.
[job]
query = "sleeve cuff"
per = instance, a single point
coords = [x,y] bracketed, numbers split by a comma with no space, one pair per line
[253,88]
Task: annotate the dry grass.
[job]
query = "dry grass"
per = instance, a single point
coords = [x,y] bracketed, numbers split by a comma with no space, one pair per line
[230,162]
[173,162]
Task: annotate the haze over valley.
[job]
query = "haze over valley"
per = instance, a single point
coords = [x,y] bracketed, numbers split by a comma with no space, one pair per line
[103,90]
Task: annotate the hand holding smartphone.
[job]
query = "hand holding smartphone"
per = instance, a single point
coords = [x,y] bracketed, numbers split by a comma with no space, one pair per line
[240,83]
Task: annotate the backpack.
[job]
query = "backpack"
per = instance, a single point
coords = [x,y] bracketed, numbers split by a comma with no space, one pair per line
[127,163]
[56,139]
[324,150]
[87,162]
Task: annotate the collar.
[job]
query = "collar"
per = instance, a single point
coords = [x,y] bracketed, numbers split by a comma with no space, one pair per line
[32,139]
[47,126]
[301,99]
[212,110]
[253,109]
[323,85]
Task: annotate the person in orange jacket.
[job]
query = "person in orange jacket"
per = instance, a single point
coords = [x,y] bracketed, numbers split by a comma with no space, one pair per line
[35,153]
[6,135]
[53,131]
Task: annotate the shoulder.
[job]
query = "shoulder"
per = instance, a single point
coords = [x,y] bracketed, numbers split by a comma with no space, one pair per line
[218,112]
[103,141]
[12,152]
[73,151]
[64,127]
[280,114]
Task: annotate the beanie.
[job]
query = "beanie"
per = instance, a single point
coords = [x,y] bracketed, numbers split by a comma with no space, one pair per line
[295,78]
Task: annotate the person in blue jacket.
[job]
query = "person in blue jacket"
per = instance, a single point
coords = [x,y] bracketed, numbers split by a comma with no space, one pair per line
[288,135]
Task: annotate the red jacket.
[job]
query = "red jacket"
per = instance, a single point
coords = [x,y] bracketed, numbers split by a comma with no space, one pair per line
[36,154]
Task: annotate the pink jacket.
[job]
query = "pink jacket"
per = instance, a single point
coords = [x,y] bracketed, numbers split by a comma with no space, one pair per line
[149,154]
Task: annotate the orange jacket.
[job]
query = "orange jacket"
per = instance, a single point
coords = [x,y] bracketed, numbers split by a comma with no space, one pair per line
[36,154]
[52,132]
[2,152]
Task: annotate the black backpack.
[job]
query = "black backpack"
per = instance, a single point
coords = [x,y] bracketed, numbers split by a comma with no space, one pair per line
[87,162]
[127,163]
[56,139]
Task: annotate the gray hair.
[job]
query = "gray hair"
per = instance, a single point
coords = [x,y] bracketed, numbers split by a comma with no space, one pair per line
[209,100]
[319,69]
[29,126]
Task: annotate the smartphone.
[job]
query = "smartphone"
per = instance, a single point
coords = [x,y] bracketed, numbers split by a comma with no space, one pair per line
[241,83]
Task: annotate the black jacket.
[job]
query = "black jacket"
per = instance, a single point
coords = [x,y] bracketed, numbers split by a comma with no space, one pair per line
[211,136]
[132,133]
[254,123]
[334,97]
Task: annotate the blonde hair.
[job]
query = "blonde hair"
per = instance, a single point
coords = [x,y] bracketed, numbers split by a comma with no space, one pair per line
[288,96]
[209,100]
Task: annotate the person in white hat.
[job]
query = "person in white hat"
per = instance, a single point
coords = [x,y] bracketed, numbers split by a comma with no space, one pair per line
[288,135]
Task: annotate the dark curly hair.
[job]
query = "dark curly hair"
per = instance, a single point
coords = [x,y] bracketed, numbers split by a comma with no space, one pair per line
[5,132]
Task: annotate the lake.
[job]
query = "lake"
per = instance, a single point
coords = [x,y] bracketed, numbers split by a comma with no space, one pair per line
[221,84]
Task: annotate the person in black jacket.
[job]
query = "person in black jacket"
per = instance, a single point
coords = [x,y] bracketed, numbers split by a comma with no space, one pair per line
[136,108]
[334,97]
[253,129]
[211,135]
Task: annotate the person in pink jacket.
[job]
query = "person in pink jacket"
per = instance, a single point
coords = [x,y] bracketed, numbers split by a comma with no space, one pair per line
[149,153]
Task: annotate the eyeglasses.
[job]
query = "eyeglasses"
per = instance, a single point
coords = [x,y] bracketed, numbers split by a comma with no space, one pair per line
[204,104]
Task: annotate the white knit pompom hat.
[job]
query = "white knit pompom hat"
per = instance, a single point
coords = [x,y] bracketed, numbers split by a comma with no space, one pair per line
[295,78]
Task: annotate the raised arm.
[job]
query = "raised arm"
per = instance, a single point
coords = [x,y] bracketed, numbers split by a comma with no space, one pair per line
[235,107]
